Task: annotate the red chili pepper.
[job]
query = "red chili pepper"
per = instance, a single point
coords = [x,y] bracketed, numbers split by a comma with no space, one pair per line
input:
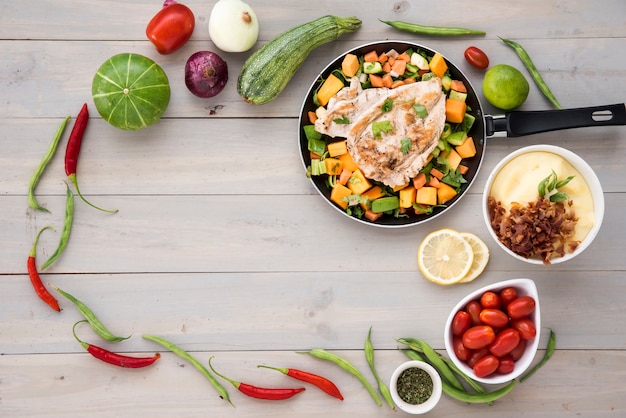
[114,358]
[171,27]
[41,290]
[319,381]
[73,149]
[273,394]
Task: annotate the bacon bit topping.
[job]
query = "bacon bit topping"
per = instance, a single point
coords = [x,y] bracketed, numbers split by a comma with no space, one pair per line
[540,229]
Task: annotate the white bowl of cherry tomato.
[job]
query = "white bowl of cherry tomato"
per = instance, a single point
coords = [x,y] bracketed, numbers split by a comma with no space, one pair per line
[492,334]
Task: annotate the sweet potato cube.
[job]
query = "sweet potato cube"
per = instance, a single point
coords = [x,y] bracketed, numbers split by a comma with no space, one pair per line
[467,149]
[333,166]
[350,65]
[371,56]
[331,86]
[438,65]
[407,196]
[335,149]
[455,110]
[444,193]
[426,196]
[371,194]
[454,159]
[338,193]
[348,162]
[419,180]
[358,183]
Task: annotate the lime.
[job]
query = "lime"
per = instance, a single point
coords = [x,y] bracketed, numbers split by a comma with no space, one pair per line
[505,87]
[130,91]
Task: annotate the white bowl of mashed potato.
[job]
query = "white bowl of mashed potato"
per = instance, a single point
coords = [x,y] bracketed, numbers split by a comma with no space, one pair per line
[543,229]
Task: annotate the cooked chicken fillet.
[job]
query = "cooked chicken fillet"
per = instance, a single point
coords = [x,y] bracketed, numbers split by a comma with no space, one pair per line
[381,158]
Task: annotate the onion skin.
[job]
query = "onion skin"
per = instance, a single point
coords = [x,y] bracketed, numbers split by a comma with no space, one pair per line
[206,74]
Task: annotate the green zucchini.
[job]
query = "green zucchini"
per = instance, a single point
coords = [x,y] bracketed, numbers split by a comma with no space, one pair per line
[268,71]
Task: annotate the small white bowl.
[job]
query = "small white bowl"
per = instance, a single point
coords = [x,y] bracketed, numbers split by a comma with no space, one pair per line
[585,171]
[425,406]
[524,287]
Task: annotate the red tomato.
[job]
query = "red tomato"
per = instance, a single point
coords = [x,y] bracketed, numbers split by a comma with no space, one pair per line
[526,328]
[507,365]
[507,295]
[504,342]
[494,317]
[490,300]
[171,28]
[478,336]
[477,355]
[476,57]
[521,307]
[461,323]
[473,309]
[518,351]
[486,366]
[462,352]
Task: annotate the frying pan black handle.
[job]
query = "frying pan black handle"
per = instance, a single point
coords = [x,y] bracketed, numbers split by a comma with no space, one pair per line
[520,123]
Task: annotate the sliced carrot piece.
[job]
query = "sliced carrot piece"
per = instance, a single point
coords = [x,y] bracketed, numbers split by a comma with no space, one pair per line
[397,84]
[463,169]
[387,67]
[312,116]
[436,173]
[419,181]
[457,85]
[371,56]
[404,57]
[382,58]
[372,216]
[387,80]
[399,67]
[376,80]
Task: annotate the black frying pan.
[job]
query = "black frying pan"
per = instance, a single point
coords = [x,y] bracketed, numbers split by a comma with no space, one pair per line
[512,124]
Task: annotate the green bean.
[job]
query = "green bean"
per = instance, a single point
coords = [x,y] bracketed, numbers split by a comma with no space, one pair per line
[194,362]
[434,358]
[34,180]
[67,229]
[345,365]
[369,356]
[488,397]
[534,73]
[549,351]
[413,355]
[91,317]
[431,30]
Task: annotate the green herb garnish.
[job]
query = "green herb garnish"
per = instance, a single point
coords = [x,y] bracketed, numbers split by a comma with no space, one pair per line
[421,110]
[405,145]
[343,120]
[379,127]
[548,188]
[387,106]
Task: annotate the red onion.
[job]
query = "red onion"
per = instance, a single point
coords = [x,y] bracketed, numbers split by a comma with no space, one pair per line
[206,74]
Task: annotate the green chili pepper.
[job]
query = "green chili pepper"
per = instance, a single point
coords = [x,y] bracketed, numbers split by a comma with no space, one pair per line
[195,363]
[345,365]
[534,73]
[549,351]
[488,397]
[67,229]
[91,317]
[369,356]
[434,358]
[34,180]
[431,30]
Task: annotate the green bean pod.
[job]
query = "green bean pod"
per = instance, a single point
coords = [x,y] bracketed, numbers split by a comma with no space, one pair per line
[549,351]
[91,317]
[434,358]
[194,362]
[67,229]
[431,30]
[534,72]
[345,365]
[34,180]
[487,397]
[369,356]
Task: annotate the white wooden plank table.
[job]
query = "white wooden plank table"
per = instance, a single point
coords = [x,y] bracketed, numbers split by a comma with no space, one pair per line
[222,246]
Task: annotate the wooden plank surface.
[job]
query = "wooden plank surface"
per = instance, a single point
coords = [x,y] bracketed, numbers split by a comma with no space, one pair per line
[224,247]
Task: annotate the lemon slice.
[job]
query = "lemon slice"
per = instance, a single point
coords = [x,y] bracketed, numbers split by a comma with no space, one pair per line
[445,257]
[481,256]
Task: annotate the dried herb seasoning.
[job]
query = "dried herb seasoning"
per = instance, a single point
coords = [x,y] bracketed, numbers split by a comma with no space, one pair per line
[415,386]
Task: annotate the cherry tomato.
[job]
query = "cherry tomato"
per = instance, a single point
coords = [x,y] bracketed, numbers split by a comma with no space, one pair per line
[504,342]
[473,309]
[507,295]
[507,365]
[490,300]
[494,317]
[478,336]
[518,351]
[462,352]
[476,57]
[477,355]
[171,28]
[486,366]
[521,307]
[526,328]
[461,323]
